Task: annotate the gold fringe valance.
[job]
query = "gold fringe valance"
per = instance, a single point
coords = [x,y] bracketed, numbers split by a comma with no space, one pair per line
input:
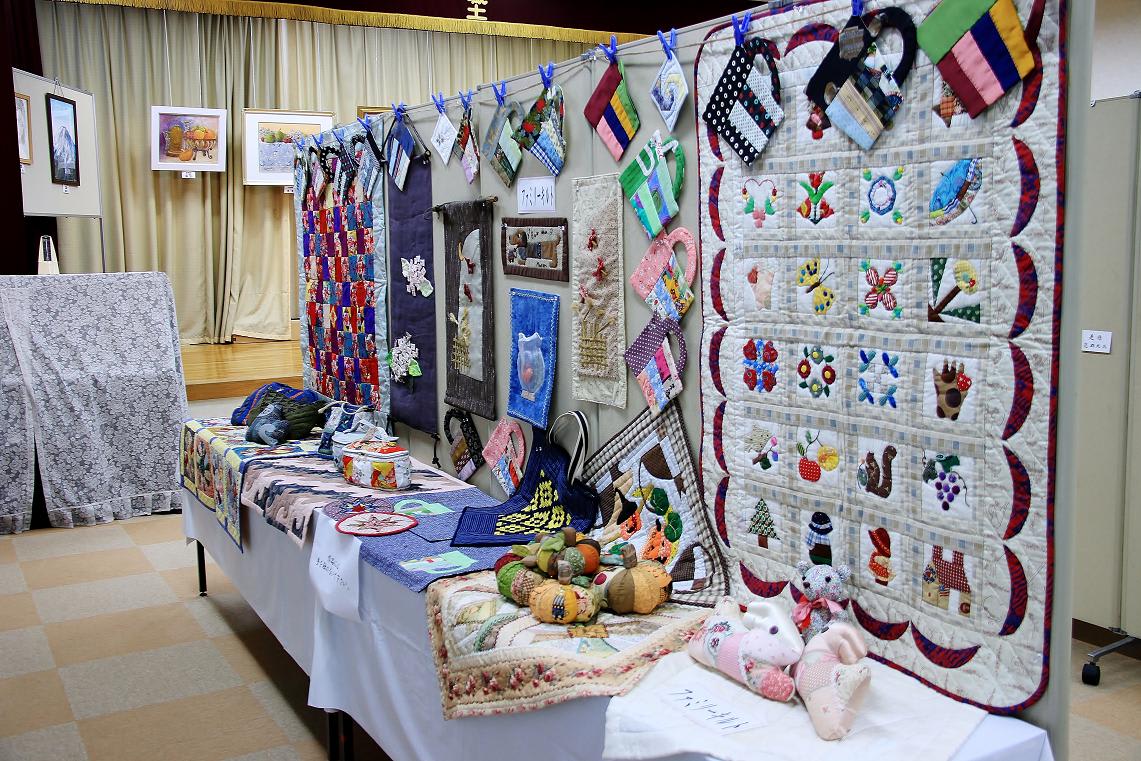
[260,9]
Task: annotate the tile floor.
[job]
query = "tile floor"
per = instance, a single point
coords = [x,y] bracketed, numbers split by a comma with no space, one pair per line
[110,655]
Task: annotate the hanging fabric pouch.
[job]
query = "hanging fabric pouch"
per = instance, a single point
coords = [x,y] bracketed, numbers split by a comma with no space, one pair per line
[534,331]
[661,280]
[541,132]
[648,185]
[868,91]
[505,453]
[652,362]
[466,145]
[550,495]
[400,148]
[467,449]
[979,48]
[745,106]
[669,89]
[611,111]
[499,146]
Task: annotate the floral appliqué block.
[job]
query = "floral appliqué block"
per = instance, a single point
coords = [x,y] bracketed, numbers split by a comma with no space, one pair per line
[761,201]
[761,365]
[815,371]
[881,286]
[815,209]
[878,381]
[883,197]
[415,271]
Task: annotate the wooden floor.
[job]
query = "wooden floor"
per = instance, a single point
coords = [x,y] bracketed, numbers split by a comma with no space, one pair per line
[215,371]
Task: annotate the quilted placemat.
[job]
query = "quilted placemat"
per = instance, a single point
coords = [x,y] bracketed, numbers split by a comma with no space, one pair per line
[879,351]
[493,657]
[213,458]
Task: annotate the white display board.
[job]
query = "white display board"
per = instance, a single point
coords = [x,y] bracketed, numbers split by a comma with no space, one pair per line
[42,197]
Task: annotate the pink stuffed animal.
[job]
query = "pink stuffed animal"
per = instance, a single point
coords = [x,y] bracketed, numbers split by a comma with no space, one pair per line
[755,650]
[832,677]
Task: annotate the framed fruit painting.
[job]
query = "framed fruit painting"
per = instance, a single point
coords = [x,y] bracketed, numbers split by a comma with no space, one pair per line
[188,139]
[269,140]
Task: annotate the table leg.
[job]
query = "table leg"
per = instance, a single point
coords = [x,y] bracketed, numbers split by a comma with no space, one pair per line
[201,569]
[333,745]
[347,724]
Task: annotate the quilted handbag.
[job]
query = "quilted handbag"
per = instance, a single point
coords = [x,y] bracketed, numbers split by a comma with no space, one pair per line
[652,362]
[467,450]
[377,463]
[661,280]
[869,93]
[499,146]
[649,187]
[341,417]
[745,106]
[505,453]
[360,431]
[550,496]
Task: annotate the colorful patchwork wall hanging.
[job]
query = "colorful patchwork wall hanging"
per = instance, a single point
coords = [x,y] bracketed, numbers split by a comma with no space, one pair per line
[470,307]
[411,360]
[879,354]
[598,329]
[649,497]
[537,247]
[343,275]
[534,337]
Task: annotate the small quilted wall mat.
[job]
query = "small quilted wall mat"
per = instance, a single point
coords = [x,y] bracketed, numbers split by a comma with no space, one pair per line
[411,361]
[470,306]
[534,338]
[342,270]
[649,497]
[611,111]
[879,348]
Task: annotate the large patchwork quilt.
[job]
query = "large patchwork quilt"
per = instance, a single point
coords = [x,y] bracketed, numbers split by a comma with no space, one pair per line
[879,352]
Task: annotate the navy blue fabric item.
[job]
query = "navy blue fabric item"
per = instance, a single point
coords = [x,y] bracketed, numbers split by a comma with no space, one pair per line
[269,427]
[544,502]
[534,339]
[241,415]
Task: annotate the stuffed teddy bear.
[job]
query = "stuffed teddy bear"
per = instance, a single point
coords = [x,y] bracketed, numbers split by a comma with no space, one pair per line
[756,656]
[832,678]
[823,587]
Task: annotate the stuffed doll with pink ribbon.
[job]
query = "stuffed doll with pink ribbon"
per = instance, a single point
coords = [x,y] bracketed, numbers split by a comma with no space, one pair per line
[823,588]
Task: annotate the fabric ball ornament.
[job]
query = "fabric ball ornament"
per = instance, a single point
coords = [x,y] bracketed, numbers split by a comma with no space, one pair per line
[510,557]
[555,603]
[640,589]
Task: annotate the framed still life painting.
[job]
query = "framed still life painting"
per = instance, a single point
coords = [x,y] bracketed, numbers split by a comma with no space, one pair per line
[188,139]
[536,247]
[63,139]
[268,142]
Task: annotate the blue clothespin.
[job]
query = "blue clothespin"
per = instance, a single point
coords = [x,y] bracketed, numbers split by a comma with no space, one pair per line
[339,133]
[318,140]
[398,111]
[741,28]
[465,99]
[668,45]
[612,51]
[438,99]
[500,94]
[857,8]
[547,75]
[365,122]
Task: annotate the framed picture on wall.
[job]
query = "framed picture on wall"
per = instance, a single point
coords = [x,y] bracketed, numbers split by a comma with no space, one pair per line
[363,111]
[188,139]
[269,138]
[24,127]
[536,247]
[63,139]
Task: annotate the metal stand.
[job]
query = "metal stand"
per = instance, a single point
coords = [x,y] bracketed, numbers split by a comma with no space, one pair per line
[201,568]
[1091,672]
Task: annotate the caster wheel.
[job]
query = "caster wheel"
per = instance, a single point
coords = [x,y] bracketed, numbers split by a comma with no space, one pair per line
[1091,674]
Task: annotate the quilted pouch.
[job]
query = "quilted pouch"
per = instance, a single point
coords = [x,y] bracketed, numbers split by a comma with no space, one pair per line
[541,132]
[499,146]
[341,417]
[979,47]
[505,453]
[868,94]
[669,89]
[466,145]
[660,279]
[400,149]
[648,185]
[652,362]
[467,449]
[550,495]
[744,108]
[377,464]
[360,431]
[610,110]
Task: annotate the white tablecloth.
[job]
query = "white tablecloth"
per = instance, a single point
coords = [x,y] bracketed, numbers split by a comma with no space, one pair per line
[382,673]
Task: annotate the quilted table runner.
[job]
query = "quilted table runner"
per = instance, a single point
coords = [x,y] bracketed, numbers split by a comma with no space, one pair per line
[214,456]
[342,269]
[493,657]
[879,351]
[90,384]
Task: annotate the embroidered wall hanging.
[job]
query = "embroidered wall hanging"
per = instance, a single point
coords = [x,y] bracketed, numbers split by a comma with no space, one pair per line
[611,111]
[412,302]
[343,279]
[878,357]
[541,131]
[649,497]
[534,336]
[470,330]
[537,247]
[598,329]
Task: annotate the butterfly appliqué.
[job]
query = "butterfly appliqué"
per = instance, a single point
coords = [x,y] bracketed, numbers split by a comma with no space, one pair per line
[811,278]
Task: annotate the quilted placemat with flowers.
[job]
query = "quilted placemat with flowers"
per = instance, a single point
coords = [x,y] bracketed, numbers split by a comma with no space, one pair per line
[879,351]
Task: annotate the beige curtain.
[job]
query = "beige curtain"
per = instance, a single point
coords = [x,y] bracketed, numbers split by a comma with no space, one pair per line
[227,247]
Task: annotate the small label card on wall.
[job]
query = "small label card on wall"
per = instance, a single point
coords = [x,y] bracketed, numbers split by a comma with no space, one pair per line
[536,195]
